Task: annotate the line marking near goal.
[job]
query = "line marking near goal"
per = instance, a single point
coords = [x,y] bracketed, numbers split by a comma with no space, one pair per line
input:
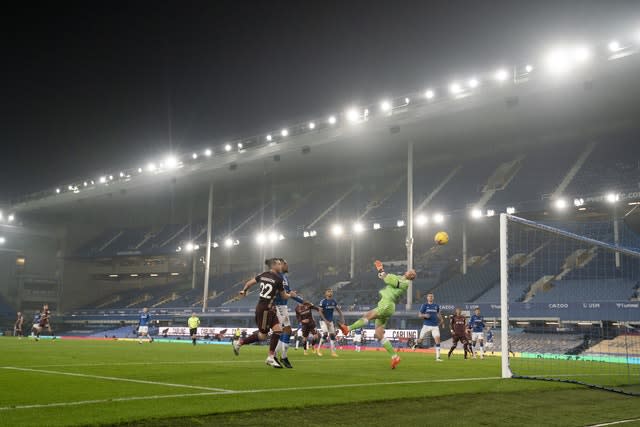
[130,380]
[236,392]
[615,422]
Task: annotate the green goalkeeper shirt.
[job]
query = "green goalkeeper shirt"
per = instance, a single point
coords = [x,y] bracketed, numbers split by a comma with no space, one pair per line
[395,287]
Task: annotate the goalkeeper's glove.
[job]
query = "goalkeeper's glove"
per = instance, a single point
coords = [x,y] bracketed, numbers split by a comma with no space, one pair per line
[379,266]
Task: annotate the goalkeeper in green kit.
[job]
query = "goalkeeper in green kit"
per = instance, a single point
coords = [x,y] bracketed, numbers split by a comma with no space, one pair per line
[395,287]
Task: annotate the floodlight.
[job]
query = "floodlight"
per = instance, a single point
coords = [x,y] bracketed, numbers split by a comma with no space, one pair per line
[407,100]
[476,213]
[188,247]
[438,218]
[215,244]
[581,53]
[491,212]
[227,147]
[261,238]
[92,182]
[3,240]
[528,68]
[240,146]
[208,152]
[332,120]
[358,228]
[70,188]
[429,94]
[134,275]
[612,197]
[455,88]
[473,83]
[501,75]
[400,223]
[194,156]
[614,46]
[377,226]
[313,233]
[269,137]
[352,115]
[305,234]
[511,210]
[139,171]
[312,125]
[151,167]
[385,105]
[421,220]
[281,237]
[558,61]
[273,237]
[228,242]
[85,183]
[121,174]
[337,230]
[57,191]
[578,202]
[284,132]
[11,218]
[561,204]
[102,179]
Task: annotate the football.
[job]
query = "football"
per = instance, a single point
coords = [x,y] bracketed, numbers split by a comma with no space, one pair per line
[441,238]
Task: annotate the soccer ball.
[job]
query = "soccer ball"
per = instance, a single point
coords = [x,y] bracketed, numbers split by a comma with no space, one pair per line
[441,238]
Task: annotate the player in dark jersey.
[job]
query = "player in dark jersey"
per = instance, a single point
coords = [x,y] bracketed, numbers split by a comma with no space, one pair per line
[458,332]
[271,284]
[304,314]
[44,321]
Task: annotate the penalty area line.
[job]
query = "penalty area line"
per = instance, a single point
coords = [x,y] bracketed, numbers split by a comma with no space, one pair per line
[129,380]
[615,422]
[236,392]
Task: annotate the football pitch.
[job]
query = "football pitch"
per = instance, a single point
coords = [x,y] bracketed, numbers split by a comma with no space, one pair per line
[86,382]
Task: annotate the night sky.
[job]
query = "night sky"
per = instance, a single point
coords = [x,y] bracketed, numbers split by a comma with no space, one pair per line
[90,87]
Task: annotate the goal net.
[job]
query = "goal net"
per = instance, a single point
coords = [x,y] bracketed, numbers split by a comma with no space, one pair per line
[569,302]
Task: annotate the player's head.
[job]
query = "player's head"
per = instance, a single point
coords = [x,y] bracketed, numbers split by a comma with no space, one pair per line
[285,265]
[328,293]
[45,307]
[19,314]
[145,310]
[193,314]
[410,275]
[458,311]
[274,264]
[477,311]
[430,297]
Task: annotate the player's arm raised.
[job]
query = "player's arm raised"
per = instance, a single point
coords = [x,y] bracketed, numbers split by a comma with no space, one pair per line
[247,286]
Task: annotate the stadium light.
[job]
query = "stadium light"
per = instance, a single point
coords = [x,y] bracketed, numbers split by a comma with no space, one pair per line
[312,125]
[85,183]
[273,237]
[102,179]
[151,167]
[438,218]
[501,75]
[358,227]
[305,234]
[171,162]
[429,94]
[511,210]
[121,174]
[215,244]
[476,213]
[139,171]
[581,53]
[352,115]
[337,230]
[614,46]
[455,88]
[332,120]
[194,156]
[269,138]
[284,132]
[385,106]
[473,83]
[560,204]
[11,218]
[377,226]
[578,202]
[261,239]
[240,146]
[189,247]
[57,191]
[281,237]
[208,152]
[228,242]
[313,233]
[70,187]
[612,197]
[491,212]
[421,220]
[400,223]
[528,68]
[227,147]
[562,60]
[3,240]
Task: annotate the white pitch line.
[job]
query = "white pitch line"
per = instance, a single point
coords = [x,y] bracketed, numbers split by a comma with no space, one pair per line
[130,380]
[615,422]
[235,392]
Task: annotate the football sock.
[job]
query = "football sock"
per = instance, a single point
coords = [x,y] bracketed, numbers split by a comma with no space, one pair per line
[387,346]
[437,351]
[275,338]
[249,340]
[358,324]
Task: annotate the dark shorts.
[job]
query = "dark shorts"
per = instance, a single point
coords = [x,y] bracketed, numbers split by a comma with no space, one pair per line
[459,338]
[266,317]
[309,328]
[193,331]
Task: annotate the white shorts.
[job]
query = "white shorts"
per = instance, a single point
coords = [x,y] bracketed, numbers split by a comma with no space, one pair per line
[489,344]
[476,336]
[435,331]
[143,330]
[283,315]
[328,327]
[357,339]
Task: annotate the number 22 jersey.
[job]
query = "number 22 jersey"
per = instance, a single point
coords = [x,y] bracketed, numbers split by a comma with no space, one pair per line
[269,285]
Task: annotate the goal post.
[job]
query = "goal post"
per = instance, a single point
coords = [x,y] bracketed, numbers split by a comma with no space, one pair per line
[570,301]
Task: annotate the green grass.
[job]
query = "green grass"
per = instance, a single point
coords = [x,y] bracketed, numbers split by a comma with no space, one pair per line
[354,389]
